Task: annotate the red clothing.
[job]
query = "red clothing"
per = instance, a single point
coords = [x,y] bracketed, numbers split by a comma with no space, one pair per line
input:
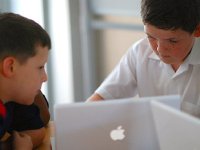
[2,118]
[2,110]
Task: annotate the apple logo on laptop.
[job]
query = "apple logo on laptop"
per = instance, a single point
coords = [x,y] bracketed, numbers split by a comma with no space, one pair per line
[117,134]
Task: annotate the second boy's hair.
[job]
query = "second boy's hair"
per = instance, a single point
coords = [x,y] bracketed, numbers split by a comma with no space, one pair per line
[171,14]
[19,37]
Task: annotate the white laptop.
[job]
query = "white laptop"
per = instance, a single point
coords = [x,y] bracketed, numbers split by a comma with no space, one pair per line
[175,130]
[128,124]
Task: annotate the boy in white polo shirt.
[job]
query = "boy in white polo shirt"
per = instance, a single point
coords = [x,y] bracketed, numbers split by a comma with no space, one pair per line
[166,62]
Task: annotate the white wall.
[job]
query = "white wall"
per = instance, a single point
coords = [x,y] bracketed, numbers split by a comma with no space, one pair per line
[60,71]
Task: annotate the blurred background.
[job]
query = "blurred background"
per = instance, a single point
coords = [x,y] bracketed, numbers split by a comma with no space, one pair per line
[88,39]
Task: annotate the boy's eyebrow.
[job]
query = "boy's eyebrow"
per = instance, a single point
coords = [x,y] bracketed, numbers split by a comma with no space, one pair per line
[148,34]
[172,38]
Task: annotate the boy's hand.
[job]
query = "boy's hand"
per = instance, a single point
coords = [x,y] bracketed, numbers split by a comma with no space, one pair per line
[22,141]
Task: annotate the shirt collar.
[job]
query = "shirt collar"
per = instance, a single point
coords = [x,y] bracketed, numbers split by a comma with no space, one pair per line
[194,56]
[154,56]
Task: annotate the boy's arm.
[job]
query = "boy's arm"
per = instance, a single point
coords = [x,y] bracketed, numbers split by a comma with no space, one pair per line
[22,141]
[16,141]
[37,136]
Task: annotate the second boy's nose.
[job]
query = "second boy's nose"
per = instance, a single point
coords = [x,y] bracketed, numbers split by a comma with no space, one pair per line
[161,47]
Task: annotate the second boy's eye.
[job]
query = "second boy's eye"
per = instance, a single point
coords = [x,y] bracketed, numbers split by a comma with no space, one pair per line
[173,41]
[41,67]
[150,38]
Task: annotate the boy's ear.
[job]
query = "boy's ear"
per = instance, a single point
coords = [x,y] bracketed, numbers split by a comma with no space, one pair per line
[8,66]
[197,31]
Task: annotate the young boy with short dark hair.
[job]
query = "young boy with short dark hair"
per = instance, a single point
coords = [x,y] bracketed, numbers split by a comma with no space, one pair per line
[24,48]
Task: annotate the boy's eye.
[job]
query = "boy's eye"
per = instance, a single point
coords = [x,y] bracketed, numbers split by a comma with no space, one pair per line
[150,37]
[173,41]
[41,67]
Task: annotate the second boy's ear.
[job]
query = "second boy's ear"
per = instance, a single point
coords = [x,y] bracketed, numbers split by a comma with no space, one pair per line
[8,66]
[197,31]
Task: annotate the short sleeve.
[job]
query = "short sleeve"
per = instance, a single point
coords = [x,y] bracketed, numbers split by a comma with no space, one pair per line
[121,82]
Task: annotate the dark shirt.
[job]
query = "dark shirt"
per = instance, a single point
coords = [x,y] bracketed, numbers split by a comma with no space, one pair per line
[4,145]
[20,117]
[23,117]
[2,118]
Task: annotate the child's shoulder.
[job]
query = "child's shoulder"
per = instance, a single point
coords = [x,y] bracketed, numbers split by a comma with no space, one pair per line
[141,48]
[141,44]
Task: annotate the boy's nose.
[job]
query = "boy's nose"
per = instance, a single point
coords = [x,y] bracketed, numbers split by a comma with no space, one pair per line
[44,77]
[161,47]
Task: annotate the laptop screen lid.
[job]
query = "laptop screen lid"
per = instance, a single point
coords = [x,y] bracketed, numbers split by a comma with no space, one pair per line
[173,101]
[89,126]
[176,130]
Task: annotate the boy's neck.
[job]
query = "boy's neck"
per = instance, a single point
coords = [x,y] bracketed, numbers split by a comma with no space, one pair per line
[175,66]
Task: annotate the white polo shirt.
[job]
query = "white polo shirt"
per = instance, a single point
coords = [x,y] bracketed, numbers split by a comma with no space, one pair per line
[141,72]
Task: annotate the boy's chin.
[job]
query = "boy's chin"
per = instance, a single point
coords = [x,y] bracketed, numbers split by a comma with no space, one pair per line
[29,103]
[26,101]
